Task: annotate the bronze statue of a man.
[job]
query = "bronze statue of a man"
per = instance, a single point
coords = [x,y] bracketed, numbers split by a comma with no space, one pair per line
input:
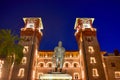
[58,56]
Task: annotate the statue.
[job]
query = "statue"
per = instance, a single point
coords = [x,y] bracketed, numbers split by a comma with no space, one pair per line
[58,56]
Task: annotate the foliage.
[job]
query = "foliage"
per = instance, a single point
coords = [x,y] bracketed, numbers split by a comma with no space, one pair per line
[9,46]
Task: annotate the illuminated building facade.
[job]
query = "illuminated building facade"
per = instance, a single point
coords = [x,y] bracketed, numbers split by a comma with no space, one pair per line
[87,63]
[112,66]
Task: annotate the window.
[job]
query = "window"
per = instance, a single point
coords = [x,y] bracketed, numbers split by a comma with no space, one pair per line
[89,39]
[41,64]
[92,60]
[112,64]
[50,65]
[72,55]
[21,72]
[76,76]
[66,65]
[117,74]
[75,65]
[24,60]
[95,72]
[25,49]
[90,49]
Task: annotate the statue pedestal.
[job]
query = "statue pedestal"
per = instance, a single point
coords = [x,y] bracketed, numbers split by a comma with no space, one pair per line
[56,76]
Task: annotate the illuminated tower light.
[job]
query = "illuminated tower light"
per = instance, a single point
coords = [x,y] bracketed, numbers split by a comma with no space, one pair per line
[82,23]
[32,21]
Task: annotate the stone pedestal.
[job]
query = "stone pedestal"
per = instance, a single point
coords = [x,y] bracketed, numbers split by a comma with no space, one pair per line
[56,76]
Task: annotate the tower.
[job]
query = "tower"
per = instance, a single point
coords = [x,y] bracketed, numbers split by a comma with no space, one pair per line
[89,50]
[31,35]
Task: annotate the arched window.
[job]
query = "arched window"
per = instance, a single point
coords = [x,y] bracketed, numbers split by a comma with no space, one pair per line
[89,39]
[50,65]
[117,74]
[95,72]
[76,76]
[25,49]
[66,65]
[21,72]
[24,60]
[75,65]
[92,60]
[41,64]
[90,49]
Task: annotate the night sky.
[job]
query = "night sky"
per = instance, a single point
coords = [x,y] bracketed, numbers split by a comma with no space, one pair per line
[58,17]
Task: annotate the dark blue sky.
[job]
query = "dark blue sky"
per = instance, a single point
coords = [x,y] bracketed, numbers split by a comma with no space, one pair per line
[58,17]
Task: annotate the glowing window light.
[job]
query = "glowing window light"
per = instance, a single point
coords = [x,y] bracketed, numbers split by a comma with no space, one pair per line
[86,25]
[117,74]
[25,49]
[21,72]
[92,60]
[24,60]
[90,49]
[95,72]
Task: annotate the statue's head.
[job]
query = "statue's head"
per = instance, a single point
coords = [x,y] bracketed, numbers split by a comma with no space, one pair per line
[60,43]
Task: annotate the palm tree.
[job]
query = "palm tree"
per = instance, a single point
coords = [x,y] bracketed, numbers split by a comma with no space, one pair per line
[10,50]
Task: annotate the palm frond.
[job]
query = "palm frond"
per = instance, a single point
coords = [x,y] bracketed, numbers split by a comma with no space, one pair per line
[9,45]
